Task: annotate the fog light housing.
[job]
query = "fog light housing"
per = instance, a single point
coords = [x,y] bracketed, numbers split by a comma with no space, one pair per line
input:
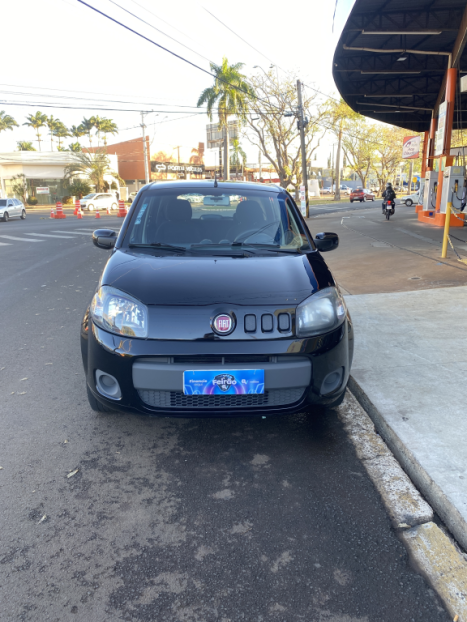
[332,381]
[107,385]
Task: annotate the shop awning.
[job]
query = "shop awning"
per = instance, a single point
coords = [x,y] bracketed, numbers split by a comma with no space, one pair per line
[392,56]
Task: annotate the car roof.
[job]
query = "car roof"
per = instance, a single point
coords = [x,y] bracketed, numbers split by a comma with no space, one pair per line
[209,183]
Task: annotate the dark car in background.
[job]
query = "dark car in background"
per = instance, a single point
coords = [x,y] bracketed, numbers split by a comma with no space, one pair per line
[215,300]
[362,194]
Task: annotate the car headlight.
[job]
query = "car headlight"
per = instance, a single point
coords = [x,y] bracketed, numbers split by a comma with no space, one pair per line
[119,313]
[320,313]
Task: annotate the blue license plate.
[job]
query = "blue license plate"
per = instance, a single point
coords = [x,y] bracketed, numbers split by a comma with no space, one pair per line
[228,382]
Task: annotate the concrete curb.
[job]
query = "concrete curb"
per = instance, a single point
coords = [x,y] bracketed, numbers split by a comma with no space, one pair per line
[430,550]
[430,490]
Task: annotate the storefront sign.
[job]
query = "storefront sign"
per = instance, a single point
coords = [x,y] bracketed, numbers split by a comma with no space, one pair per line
[411,147]
[439,140]
[170,167]
[42,190]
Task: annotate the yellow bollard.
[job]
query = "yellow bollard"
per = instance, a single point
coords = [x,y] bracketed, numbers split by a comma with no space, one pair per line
[446,231]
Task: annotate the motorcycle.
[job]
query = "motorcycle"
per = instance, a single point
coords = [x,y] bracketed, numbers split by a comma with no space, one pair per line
[389,208]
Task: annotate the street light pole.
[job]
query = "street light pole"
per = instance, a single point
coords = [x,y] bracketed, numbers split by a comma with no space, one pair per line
[145,147]
[302,123]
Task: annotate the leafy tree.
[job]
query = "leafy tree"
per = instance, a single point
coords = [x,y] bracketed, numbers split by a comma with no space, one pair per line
[230,95]
[358,144]
[92,166]
[53,124]
[61,131]
[97,122]
[6,122]
[24,145]
[79,188]
[19,186]
[388,151]
[276,135]
[238,156]
[108,127]
[77,132]
[121,182]
[36,121]
[86,127]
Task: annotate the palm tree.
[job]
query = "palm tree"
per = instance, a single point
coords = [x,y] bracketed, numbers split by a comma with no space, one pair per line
[53,124]
[6,122]
[86,127]
[237,153]
[92,166]
[61,131]
[23,145]
[108,127]
[76,147]
[36,121]
[230,93]
[77,132]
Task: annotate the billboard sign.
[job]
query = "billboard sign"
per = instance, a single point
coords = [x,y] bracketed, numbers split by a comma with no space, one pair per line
[172,167]
[411,147]
[441,131]
[215,133]
[42,190]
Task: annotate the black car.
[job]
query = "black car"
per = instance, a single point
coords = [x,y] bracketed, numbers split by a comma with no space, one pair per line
[215,301]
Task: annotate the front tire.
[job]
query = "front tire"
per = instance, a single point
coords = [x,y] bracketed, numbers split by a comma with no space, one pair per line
[114,206]
[90,208]
[409,202]
[361,200]
[351,201]
[5,217]
[97,406]
[23,215]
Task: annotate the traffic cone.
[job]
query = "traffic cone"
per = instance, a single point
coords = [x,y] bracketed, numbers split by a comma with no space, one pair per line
[59,209]
[121,209]
[52,214]
[79,215]
[97,214]
[77,207]
[108,210]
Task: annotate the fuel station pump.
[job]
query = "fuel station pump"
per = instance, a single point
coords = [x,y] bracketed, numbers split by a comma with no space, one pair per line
[454,188]
[431,188]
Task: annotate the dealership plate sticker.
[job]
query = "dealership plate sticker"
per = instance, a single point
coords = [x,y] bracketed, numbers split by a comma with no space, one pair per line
[229,382]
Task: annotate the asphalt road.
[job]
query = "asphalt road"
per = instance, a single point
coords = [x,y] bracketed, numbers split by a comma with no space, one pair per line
[170,520]
[330,208]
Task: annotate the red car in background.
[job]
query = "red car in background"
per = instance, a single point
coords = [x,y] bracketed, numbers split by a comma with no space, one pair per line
[361,194]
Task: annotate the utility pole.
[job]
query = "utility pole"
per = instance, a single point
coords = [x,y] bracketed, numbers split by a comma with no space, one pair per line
[260,174]
[302,123]
[409,185]
[337,194]
[145,147]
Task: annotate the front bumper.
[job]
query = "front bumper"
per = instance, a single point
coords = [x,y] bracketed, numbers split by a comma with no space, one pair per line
[149,372]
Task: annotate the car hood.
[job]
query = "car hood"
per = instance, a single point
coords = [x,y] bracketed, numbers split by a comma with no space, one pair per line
[169,280]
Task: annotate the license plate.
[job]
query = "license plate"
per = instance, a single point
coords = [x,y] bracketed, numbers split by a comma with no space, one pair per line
[227,382]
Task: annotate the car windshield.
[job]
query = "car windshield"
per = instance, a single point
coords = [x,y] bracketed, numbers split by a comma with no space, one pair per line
[214,220]
[90,196]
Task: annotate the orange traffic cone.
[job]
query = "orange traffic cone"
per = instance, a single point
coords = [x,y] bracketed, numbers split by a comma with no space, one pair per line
[108,210]
[79,215]
[97,214]
[77,206]
[52,213]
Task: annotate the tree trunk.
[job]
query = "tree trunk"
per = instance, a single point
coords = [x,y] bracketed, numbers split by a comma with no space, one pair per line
[226,153]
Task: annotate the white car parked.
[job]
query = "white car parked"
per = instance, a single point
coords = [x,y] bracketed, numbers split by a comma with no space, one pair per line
[11,208]
[98,201]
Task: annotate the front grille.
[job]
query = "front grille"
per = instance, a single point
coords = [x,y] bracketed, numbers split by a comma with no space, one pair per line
[176,399]
[242,359]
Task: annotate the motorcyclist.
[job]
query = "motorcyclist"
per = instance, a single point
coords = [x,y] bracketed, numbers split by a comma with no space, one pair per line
[389,195]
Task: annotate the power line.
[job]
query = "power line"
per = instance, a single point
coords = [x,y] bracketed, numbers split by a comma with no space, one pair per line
[185,60]
[158,30]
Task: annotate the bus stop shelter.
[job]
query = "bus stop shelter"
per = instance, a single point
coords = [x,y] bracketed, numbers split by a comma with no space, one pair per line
[402,63]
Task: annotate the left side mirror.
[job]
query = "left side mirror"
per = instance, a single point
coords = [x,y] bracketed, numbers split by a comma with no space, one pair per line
[104,238]
[326,241]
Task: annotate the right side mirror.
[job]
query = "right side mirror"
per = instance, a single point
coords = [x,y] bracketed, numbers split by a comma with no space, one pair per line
[326,241]
[104,238]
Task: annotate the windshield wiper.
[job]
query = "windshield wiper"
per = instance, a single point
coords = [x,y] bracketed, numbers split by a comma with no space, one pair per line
[274,248]
[164,247]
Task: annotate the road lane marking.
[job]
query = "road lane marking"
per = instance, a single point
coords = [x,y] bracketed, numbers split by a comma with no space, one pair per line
[47,235]
[11,237]
[72,232]
[4,244]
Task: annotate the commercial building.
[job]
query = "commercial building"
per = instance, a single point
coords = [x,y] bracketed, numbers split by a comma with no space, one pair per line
[44,172]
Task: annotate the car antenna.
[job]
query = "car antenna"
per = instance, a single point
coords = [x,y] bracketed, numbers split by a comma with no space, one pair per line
[215,179]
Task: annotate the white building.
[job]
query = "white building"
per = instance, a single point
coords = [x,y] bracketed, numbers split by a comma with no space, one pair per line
[44,171]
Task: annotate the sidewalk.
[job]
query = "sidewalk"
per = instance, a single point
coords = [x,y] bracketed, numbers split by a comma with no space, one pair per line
[410,374]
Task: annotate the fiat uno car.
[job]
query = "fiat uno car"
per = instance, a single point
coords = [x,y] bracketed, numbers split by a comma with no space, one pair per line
[215,301]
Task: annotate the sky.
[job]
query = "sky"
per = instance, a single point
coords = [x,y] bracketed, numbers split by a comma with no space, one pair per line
[65,55]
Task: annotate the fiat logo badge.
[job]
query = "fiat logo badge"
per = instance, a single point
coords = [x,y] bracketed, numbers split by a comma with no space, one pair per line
[223,324]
